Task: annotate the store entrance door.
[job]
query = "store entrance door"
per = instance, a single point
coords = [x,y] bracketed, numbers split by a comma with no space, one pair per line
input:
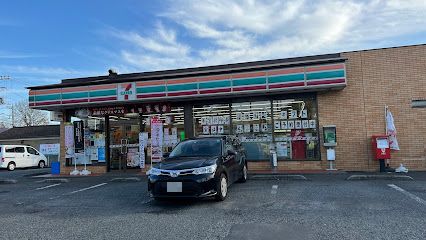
[124,143]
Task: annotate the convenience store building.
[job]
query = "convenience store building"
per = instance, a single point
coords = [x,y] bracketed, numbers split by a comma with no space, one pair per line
[276,107]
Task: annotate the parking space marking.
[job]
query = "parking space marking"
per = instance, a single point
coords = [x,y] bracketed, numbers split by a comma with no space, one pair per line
[84,189]
[412,196]
[41,188]
[274,189]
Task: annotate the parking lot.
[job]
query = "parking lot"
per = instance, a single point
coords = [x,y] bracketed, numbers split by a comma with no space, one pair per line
[322,207]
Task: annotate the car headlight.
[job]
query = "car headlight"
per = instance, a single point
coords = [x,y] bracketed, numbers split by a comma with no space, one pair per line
[154,171]
[205,170]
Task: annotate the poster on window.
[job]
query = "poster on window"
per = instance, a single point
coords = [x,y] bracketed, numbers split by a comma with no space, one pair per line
[312,124]
[156,139]
[256,116]
[277,125]
[239,116]
[240,129]
[298,124]
[263,115]
[133,157]
[282,150]
[264,127]
[290,125]
[213,130]
[304,113]
[206,130]
[284,125]
[256,128]
[221,120]
[220,129]
[305,124]
[283,114]
[215,120]
[293,114]
[246,116]
[246,128]
[227,119]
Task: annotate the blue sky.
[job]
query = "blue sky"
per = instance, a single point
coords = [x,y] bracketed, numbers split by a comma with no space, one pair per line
[43,41]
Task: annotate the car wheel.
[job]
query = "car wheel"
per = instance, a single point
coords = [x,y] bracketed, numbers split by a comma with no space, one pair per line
[244,176]
[222,188]
[41,164]
[11,166]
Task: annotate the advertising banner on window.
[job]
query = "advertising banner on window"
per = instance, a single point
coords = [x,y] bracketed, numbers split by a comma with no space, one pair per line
[156,139]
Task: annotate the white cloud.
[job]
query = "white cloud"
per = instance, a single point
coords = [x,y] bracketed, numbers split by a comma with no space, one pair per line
[222,31]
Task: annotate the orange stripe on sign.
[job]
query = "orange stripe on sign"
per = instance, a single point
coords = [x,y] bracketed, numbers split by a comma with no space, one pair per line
[325,67]
[31,92]
[212,78]
[286,71]
[183,80]
[150,83]
[102,87]
[47,91]
[249,75]
[75,89]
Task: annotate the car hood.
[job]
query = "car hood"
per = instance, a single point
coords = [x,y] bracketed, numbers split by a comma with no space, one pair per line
[186,163]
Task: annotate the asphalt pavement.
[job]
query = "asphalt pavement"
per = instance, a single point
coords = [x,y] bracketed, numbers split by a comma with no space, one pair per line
[321,207]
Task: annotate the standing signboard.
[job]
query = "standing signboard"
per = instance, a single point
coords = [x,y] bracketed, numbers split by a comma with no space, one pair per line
[156,139]
[143,142]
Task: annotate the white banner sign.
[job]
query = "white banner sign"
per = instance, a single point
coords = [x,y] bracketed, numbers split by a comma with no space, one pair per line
[391,131]
[156,139]
[50,149]
[143,142]
[69,141]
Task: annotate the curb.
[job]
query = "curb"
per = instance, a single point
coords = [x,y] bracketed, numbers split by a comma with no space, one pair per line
[8,181]
[379,177]
[55,180]
[128,179]
[277,177]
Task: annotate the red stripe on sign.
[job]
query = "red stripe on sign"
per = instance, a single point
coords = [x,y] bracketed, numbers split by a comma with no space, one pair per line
[74,101]
[249,88]
[47,103]
[326,82]
[284,85]
[154,95]
[222,90]
[175,94]
[102,99]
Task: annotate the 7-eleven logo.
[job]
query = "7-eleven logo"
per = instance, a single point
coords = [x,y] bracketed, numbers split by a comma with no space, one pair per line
[126,91]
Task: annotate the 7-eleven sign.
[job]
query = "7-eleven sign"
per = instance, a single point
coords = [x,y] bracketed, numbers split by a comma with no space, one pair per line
[126,91]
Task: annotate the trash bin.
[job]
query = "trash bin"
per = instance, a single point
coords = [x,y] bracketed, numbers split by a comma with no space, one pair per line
[55,168]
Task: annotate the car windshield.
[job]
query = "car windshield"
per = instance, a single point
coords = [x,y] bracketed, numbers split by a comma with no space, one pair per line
[197,147]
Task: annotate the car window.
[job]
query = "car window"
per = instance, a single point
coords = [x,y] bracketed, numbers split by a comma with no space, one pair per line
[197,147]
[10,150]
[32,151]
[20,149]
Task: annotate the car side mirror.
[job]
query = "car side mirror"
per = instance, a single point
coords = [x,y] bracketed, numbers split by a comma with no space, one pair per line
[231,152]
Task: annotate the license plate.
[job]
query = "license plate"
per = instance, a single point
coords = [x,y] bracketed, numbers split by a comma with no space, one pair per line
[174,187]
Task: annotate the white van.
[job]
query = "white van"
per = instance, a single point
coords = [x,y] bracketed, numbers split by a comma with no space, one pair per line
[20,156]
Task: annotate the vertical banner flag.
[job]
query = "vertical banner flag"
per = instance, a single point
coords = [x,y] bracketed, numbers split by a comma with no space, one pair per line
[143,142]
[69,141]
[156,139]
[391,131]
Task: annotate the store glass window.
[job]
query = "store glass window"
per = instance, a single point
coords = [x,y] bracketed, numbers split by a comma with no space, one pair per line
[252,124]
[295,129]
[211,120]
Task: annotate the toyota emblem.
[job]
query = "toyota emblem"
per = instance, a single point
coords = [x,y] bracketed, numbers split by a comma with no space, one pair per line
[174,173]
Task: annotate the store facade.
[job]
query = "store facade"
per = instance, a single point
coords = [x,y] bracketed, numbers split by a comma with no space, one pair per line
[277,108]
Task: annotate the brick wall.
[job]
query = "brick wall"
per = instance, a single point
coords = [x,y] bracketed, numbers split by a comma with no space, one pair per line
[377,78]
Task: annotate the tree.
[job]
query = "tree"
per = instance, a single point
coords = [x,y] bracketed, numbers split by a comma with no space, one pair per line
[23,115]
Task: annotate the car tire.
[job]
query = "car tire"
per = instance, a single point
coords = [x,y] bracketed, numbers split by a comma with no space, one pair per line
[243,178]
[222,188]
[11,166]
[41,164]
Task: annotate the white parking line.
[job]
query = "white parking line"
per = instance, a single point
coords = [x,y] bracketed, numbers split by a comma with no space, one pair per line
[412,196]
[40,188]
[84,189]
[274,189]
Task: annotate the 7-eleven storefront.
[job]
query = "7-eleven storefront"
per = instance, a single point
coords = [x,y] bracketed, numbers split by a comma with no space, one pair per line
[110,122]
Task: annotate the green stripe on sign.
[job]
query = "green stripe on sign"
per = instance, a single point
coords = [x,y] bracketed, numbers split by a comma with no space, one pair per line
[204,85]
[47,97]
[31,98]
[321,75]
[151,89]
[103,93]
[249,81]
[191,86]
[75,95]
[286,78]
